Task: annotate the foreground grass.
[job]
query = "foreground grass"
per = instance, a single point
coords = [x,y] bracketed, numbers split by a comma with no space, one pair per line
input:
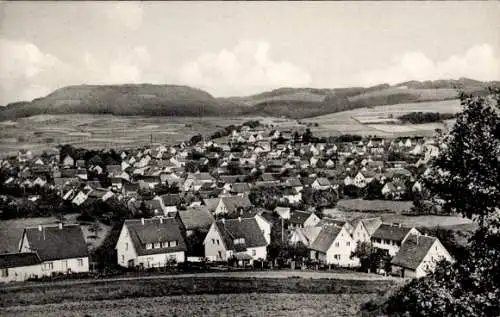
[57,293]
[331,305]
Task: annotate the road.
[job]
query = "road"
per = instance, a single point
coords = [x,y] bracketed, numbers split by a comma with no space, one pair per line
[243,274]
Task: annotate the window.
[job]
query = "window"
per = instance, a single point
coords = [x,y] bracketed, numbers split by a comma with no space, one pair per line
[123,259]
[157,245]
[126,246]
[348,243]
[173,243]
[80,262]
[254,253]
[336,256]
[218,242]
[337,244]
[213,241]
[219,254]
[48,265]
[4,273]
[149,246]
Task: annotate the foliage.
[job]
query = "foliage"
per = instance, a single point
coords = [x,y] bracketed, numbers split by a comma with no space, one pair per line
[265,197]
[374,190]
[371,258]
[319,198]
[425,117]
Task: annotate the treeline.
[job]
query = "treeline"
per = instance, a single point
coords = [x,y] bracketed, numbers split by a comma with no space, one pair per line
[426,117]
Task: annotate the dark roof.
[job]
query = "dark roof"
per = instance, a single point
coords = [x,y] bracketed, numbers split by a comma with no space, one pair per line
[371,224]
[240,187]
[155,230]
[325,239]
[171,199]
[293,181]
[299,217]
[55,243]
[196,218]
[267,177]
[246,228]
[18,259]
[391,232]
[232,203]
[153,204]
[322,181]
[413,251]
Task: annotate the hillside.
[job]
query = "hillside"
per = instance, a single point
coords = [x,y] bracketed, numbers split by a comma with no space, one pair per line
[295,103]
[143,99]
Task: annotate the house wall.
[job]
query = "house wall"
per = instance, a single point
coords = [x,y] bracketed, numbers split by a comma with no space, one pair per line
[265,227]
[257,253]
[311,221]
[436,253]
[125,250]
[65,265]
[21,273]
[161,259]
[214,251]
[391,245]
[221,208]
[360,233]
[346,245]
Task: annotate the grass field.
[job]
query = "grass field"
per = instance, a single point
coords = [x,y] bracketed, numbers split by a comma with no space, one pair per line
[331,305]
[377,120]
[11,231]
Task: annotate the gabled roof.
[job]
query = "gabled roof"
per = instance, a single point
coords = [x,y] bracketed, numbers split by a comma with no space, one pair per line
[391,232]
[413,251]
[171,199]
[232,203]
[310,233]
[240,187]
[299,217]
[55,243]
[325,238]
[211,203]
[155,230]
[247,228]
[371,224]
[9,260]
[196,218]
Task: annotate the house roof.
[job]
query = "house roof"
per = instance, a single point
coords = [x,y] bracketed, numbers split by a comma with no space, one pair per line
[196,218]
[299,217]
[240,187]
[322,181]
[232,203]
[325,238]
[211,203]
[246,228]
[171,199]
[18,259]
[155,230]
[310,233]
[391,232]
[371,224]
[413,251]
[293,181]
[55,243]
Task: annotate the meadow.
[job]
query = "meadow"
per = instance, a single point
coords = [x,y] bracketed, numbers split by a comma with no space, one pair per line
[380,120]
[253,304]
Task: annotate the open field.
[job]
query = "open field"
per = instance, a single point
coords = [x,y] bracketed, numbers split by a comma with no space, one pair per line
[11,231]
[205,305]
[379,120]
[42,132]
[374,205]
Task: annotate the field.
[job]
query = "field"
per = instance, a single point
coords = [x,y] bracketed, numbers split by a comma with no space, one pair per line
[206,305]
[43,132]
[380,120]
[11,231]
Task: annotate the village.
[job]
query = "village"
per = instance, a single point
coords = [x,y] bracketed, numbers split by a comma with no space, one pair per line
[249,196]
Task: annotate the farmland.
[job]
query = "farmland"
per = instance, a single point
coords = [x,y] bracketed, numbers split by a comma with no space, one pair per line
[43,132]
[380,120]
[206,305]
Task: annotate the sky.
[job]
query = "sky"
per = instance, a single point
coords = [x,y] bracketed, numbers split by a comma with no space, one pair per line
[238,48]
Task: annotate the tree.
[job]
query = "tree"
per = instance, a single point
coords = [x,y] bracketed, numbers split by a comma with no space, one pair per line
[465,176]
[266,197]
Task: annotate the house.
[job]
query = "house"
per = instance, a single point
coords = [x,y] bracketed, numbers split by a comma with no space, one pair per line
[68,161]
[364,228]
[292,195]
[232,204]
[334,245]
[17,267]
[321,183]
[302,219]
[60,248]
[239,188]
[305,236]
[363,178]
[196,219]
[283,212]
[265,227]
[394,190]
[418,256]
[390,237]
[147,243]
[240,238]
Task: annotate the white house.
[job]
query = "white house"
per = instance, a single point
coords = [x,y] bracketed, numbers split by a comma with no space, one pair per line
[17,267]
[333,245]
[390,237]
[418,256]
[302,219]
[364,228]
[148,243]
[60,248]
[240,238]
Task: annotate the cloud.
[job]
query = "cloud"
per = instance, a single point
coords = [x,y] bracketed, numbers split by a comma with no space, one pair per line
[478,62]
[24,70]
[128,14]
[245,69]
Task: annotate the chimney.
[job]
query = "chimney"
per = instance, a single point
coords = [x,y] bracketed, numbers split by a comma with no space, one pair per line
[142,221]
[239,219]
[40,228]
[60,225]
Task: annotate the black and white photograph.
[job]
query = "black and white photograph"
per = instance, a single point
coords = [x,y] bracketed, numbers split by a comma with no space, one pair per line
[250,158]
